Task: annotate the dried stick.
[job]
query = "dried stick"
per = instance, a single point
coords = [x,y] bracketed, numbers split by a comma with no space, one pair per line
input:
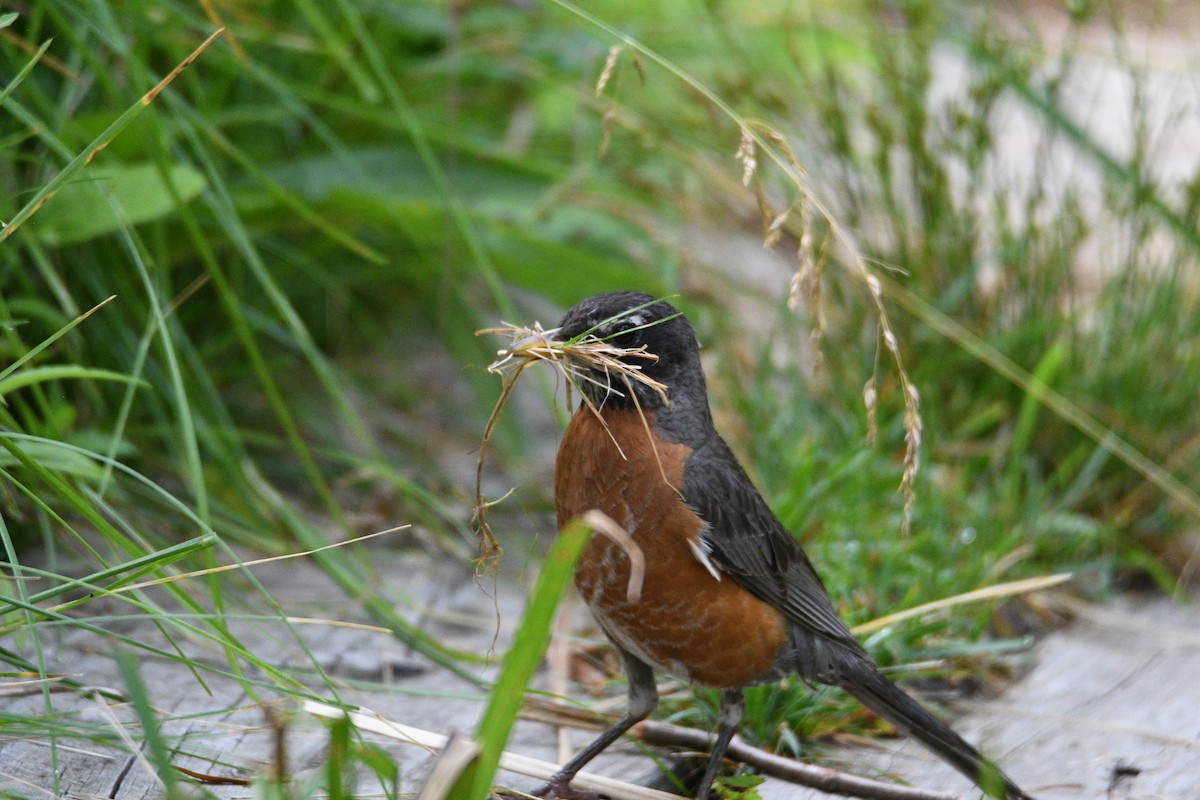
[819,778]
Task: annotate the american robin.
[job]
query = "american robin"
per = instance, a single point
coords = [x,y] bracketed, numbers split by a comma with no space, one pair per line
[728,597]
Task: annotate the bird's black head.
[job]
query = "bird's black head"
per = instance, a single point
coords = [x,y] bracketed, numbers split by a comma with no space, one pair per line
[630,320]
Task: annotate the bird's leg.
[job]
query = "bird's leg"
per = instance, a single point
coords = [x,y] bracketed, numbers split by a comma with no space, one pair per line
[730,718]
[643,698]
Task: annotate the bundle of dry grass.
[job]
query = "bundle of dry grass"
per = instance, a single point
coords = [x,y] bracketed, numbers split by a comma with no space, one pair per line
[586,357]
[577,359]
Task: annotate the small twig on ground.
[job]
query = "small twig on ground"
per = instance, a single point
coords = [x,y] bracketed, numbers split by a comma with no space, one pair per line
[214,780]
[820,778]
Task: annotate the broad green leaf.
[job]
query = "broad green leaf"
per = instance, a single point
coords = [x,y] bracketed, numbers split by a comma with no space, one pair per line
[397,173]
[106,197]
[59,460]
[563,271]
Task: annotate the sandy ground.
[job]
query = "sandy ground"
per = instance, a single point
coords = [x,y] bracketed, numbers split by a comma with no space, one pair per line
[1109,708]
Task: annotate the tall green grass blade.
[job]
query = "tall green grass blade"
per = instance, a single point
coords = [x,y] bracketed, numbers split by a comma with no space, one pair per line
[290,199]
[1039,381]
[315,15]
[49,340]
[11,86]
[179,394]
[128,571]
[458,212]
[376,759]
[139,697]
[63,372]
[303,340]
[522,659]
[338,769]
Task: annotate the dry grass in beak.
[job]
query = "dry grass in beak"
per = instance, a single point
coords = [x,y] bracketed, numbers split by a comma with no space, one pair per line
[578,359]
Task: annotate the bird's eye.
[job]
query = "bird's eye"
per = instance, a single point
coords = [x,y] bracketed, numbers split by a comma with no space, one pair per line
[623,324]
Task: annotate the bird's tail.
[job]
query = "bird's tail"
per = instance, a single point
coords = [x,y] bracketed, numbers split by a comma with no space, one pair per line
[863,680]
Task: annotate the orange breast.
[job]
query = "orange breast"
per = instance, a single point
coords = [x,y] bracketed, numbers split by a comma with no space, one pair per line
[686,622]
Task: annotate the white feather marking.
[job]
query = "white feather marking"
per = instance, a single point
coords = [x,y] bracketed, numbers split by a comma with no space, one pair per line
[700,550]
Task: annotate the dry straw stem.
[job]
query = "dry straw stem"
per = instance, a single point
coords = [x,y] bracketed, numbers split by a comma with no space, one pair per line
[32,686]
[576,360]
[214,780]
[524,765]
[600,522]
[455,757]
[996,592]
[247,564]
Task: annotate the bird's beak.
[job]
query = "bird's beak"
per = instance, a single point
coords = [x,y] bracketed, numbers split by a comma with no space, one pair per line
[539,339]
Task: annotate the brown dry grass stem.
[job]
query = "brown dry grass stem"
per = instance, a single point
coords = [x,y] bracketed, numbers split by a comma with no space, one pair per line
[600,522]
[805,284]
[490,551]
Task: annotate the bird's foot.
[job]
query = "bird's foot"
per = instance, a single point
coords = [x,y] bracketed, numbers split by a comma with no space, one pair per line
[559,788]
